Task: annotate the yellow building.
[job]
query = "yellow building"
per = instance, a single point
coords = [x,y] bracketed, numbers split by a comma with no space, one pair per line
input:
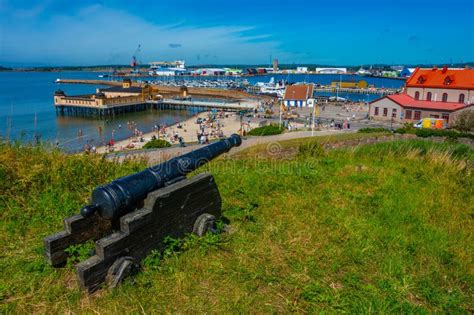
[350,84]
[113,96]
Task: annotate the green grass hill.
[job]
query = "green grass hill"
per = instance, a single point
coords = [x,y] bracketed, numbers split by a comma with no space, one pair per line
[385,228]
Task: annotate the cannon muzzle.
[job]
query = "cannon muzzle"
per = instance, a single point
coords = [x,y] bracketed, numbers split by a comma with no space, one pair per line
[124,194]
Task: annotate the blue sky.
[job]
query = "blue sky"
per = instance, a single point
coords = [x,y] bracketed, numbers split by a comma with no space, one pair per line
[67,32]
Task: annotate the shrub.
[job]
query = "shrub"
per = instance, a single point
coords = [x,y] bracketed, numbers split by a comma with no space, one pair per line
[156,144]
[465,121]
[372,130]
[266,131]
[425,133]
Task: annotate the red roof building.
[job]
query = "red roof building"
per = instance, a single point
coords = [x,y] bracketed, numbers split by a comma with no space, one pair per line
[429,93]
[298,95]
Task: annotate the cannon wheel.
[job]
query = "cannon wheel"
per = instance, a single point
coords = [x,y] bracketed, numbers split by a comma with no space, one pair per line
[119,270]
[204,223]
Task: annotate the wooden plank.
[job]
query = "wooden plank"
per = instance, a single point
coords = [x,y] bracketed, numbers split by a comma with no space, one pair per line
[77,230]
[170,211]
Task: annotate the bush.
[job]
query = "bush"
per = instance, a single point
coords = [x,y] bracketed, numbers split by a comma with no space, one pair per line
[465,121]
[266,131]
[156,144]
[425,133]
[372,130]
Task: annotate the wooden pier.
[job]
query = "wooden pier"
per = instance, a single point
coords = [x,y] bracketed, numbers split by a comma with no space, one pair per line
[108,111]
[203,105]
[356,90]
[102,112]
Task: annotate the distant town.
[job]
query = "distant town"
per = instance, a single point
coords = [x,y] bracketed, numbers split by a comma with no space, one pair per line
[179,67]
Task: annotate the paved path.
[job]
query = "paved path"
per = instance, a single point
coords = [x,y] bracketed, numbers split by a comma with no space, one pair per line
[156,156]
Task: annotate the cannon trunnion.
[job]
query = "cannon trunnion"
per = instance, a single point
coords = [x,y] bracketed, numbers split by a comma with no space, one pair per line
[124,235]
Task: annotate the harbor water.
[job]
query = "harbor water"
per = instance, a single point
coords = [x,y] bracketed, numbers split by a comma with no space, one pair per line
[27,113]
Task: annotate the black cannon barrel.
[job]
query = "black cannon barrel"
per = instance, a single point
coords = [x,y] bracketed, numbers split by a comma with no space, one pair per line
[121,196]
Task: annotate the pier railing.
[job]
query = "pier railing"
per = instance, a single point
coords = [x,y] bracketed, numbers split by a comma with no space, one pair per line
[208,104]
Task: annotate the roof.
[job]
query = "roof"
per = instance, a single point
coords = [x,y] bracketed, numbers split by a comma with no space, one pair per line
[300,92]
[405,100]
[444,78]
[132,89]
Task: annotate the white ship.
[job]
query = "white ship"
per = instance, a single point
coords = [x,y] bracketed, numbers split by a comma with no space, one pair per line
[272,88]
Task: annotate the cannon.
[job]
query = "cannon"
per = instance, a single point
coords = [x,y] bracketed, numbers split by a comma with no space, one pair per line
[132,215]
[119,197]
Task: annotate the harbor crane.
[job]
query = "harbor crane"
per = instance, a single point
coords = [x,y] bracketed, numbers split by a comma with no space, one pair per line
[134,63]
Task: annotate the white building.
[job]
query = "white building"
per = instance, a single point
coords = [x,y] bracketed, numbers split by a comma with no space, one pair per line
[300,95]
[301,69]
[331,70]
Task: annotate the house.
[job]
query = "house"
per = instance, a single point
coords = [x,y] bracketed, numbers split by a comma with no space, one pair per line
[300,95]
[429,93]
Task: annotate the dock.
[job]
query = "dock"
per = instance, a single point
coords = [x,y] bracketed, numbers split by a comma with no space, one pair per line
[107,111]
[203,105]
[163,89]
[377,91]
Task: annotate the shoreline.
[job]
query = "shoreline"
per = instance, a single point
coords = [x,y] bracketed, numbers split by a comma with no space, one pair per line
[228,124]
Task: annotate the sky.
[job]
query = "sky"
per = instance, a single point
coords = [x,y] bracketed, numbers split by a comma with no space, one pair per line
[343,32]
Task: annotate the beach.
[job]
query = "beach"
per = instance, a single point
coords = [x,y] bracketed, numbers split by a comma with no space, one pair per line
[226,124]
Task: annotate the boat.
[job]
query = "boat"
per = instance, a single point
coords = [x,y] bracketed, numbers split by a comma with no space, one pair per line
[363,72]
[271,88]
[337,99]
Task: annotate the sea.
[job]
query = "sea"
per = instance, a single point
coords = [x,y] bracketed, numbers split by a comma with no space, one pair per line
[27,111]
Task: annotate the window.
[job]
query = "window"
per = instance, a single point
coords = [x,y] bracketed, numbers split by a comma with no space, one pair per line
[428,96]
[376,112]
[445,116]
[445,97]
[461,98]
[417,115]
[394,112]
[385,112]
[408,114]
[417,95]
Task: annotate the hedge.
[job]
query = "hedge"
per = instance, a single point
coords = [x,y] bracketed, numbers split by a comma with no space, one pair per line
[156,144]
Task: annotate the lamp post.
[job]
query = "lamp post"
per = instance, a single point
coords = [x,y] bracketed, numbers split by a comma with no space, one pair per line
[315,112]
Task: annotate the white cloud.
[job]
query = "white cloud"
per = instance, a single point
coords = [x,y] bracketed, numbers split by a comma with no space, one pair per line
[99,35]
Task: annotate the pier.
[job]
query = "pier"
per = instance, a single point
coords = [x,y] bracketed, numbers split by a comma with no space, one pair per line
[167,90]
[107,111]
[356,90]
[204,105]
[101,111]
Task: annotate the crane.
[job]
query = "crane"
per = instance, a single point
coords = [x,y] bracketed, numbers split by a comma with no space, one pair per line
[134,63]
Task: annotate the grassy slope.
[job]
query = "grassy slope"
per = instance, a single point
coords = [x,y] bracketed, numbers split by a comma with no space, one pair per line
[381,228]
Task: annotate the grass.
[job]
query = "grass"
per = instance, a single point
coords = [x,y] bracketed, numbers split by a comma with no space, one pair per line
[372,130]
[268,130]
[380,228]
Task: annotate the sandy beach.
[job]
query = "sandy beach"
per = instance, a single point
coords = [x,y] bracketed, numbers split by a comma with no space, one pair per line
[229,123]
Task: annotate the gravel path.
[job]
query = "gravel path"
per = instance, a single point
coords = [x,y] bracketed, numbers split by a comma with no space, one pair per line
[156,156]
